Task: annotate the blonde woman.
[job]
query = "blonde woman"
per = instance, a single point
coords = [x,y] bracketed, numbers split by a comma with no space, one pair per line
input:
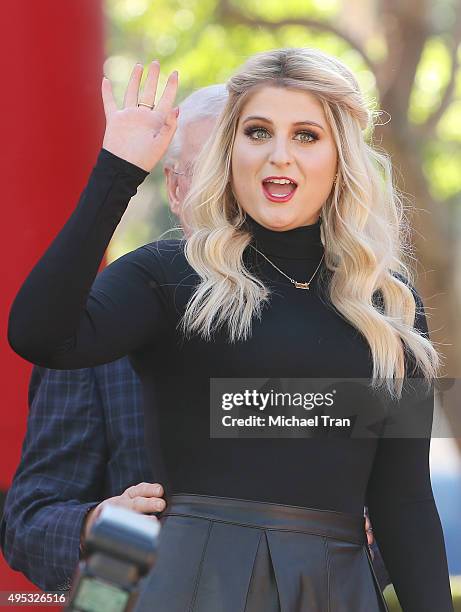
[293,268]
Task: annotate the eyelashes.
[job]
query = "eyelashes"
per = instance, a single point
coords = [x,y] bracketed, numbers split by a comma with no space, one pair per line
[250,131]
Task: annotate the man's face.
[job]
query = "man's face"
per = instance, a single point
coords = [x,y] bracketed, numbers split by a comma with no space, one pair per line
[194,136]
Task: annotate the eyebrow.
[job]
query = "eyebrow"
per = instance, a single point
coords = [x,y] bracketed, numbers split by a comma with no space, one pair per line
[307,122]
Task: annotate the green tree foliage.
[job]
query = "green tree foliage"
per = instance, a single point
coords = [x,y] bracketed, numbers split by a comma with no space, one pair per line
[206,40]
[406,56]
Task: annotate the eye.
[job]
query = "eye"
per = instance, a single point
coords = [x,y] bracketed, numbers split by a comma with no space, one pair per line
[307,136]
[261,133]
[256,133]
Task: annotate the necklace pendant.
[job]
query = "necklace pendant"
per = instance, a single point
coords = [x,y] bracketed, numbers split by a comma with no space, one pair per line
[299,285]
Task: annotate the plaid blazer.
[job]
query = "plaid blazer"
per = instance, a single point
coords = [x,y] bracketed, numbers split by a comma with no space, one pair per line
[84,443]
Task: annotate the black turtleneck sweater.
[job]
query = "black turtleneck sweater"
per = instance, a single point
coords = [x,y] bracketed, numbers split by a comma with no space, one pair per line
[64,318]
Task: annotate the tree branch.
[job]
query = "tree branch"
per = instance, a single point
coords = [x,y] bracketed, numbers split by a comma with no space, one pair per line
[406,29]
[430,124]
[230,14]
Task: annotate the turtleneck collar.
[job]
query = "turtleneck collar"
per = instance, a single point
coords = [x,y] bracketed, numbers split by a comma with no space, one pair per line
[299,243]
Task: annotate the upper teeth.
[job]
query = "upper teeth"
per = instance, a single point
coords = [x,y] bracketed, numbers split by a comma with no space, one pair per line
[279,181]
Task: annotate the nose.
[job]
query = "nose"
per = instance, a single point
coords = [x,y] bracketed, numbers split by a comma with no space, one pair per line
[280,154]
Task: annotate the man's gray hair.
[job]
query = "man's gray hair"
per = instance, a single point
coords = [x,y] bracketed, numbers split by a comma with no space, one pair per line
[204,103]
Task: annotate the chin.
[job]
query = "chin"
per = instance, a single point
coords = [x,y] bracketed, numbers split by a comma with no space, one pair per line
[277,220]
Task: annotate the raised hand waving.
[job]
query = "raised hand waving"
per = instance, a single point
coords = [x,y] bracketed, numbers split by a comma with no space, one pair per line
[141,131]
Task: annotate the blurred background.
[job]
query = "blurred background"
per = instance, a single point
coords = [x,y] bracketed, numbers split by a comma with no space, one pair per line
[406,56]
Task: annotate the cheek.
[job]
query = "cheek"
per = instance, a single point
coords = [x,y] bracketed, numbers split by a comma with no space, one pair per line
[239,166]
[321,160]
[244,156]
[186,185]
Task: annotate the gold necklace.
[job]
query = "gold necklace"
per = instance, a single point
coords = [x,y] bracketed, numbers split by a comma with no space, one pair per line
[297,284]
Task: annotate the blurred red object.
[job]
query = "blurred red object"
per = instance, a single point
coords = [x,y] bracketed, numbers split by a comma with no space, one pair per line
[52,55]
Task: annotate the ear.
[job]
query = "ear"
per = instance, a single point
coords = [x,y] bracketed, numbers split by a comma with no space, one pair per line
[172,188]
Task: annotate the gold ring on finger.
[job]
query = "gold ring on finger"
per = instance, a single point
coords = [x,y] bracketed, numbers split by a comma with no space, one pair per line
[144,104]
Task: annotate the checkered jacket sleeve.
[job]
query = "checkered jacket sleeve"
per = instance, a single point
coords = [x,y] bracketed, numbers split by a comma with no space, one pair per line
[84,443]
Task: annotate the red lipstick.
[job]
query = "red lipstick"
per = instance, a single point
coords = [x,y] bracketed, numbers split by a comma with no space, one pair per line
[282,187]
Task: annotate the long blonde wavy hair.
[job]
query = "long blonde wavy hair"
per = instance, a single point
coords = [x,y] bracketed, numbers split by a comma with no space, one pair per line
[364,227]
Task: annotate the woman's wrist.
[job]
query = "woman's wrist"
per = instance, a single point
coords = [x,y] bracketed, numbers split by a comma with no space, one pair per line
[122,165]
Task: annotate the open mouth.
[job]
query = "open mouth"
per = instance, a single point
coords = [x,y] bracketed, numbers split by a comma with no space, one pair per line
[279,189]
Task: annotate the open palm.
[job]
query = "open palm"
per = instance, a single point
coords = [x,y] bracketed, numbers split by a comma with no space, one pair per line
[135,133]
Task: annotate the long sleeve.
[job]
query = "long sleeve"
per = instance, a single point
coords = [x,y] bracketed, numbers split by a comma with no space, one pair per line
[60,477]
[60,319]
[404,514]
[407,525]
[71,460]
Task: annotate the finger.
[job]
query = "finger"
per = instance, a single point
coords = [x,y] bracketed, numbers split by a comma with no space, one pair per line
[108,97]
[145,505]
[166,132]
[130,492]
[145,489]
[169,94]
[150,86]
[132,90]
[159,489]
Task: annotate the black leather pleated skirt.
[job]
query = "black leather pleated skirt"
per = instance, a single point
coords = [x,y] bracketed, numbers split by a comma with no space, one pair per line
[220,554]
